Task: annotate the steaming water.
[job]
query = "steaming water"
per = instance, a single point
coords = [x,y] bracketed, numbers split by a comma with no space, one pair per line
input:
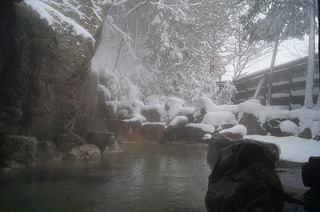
[145,177]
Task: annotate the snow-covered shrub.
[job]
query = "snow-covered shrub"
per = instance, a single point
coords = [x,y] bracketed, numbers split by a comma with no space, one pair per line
[121,88]
[226,94]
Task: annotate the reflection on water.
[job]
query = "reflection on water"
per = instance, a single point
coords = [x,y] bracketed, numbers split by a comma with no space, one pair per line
[145,177]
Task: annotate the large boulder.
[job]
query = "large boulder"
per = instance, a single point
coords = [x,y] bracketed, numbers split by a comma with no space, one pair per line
[45,65]
[101,139]
[17,151]
[67,141]
[244,179]
[85,152]
[47,151]
[252,124]
[220,141]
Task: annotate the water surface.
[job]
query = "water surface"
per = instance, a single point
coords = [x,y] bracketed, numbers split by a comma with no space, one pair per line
[145,177]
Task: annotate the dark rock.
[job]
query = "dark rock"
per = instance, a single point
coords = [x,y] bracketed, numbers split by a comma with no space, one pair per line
[17,151]
[220,141]
[306,134]
[174,133]
[195,134]
[67,141]
[153,132]
[312,200]
[252,124]
[47,151]
[101,139]
[273,128]
[152,114]
[311,172]
[244,179]
[85,152]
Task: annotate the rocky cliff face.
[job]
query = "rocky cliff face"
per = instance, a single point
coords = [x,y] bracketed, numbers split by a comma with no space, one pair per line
[45,65]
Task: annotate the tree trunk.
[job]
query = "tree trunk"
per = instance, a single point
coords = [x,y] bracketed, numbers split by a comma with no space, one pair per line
[308,99]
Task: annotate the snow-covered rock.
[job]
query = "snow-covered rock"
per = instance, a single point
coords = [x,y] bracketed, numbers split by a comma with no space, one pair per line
[179,120]
[172,107]
[218,119]
[289,127]
[238,129]
[203,106]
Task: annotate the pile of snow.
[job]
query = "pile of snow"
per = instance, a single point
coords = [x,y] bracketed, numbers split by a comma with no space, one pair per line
[154,100]
[203,103]
[289,127]
[204,127]
[292,148]
[179,120]
[238,129]
[218,119]
[230,108]
[187,111]
[114,104]
[173,107]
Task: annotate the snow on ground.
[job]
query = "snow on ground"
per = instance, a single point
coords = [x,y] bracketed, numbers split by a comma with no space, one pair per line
[292,148]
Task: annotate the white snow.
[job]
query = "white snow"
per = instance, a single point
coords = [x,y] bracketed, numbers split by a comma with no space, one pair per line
[218,119]
[53,16]
[238,129]
[292,148]
[178,120]
[205,127]
[207,136]
[230,108]
[136,105]
[203,102]
[289,127]
[114,104]
[137,118]
[173,107]
[106,92]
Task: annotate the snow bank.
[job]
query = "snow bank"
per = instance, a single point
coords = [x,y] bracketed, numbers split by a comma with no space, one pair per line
[292,148]
[218,119]
[205,127]
[289,127]
[178,120]
[238,129]
[263,113]
[230,108]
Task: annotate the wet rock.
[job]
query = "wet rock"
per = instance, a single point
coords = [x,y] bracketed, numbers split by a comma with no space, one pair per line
[195,132]
[273,128]
[47,151]
[244,179]
[85,152]
[152,113]
[101,139]
[153,132]
[17,151]
[126,131]
[67,141]
[252,124]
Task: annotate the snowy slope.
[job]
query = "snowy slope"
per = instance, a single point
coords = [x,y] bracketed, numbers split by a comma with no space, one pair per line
[292,148]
